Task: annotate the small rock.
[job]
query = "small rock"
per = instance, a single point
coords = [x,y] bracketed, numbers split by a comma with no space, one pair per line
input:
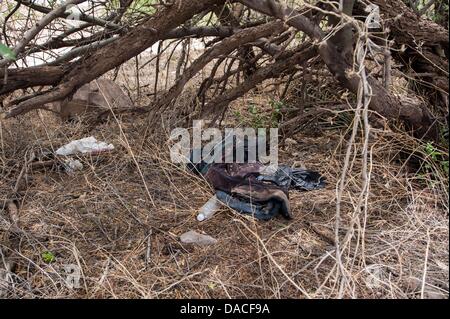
[298,164]
[290,141]
[192,237]
[433,294]
[70,166]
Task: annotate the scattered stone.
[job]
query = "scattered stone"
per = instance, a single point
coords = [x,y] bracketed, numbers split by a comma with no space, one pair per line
[70,166]
[290,141]
[192,237]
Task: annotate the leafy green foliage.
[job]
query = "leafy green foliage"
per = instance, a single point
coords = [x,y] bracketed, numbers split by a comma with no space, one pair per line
[276,115]
[142,6]
[48,257]
[6,52]
[257,117]
[435,167]
[436,157]
[438,12]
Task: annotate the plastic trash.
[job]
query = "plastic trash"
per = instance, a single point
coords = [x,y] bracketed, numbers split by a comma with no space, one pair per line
[71,165]
[207,210]
[192,237]
[84,145]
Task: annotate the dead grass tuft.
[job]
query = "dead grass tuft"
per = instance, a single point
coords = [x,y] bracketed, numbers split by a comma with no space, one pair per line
[126,243]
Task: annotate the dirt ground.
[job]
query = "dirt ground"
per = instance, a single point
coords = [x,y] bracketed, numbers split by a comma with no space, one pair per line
[119,219]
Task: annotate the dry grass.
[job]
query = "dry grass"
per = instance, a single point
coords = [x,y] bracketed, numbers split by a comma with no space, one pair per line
[126,243]
[119,219]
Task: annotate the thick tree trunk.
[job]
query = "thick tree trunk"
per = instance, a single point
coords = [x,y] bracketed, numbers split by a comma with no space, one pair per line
[119,51]
[425,40]
[29,77]
[420,45]
[343,39]
[227,17]
[415,117]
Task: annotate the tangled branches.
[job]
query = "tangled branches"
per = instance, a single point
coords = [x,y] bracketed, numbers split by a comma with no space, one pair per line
[256,39]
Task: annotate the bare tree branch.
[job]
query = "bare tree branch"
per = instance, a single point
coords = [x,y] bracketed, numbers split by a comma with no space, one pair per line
[82,17]
[126,47]
[31,33]
[223,48]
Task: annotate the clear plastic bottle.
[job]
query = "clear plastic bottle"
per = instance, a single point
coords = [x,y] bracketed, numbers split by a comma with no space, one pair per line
[207,210]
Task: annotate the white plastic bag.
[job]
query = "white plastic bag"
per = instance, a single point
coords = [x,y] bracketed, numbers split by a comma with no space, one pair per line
[84,145]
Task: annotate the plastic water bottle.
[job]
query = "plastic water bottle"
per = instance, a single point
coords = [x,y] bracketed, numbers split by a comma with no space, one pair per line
[207,210]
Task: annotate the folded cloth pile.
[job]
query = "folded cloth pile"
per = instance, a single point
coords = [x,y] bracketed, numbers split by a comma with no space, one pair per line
[249,189]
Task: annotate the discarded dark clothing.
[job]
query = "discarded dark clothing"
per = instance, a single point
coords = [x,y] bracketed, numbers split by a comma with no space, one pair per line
[263,210]
[248,189]
[248,152]
[297,178]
